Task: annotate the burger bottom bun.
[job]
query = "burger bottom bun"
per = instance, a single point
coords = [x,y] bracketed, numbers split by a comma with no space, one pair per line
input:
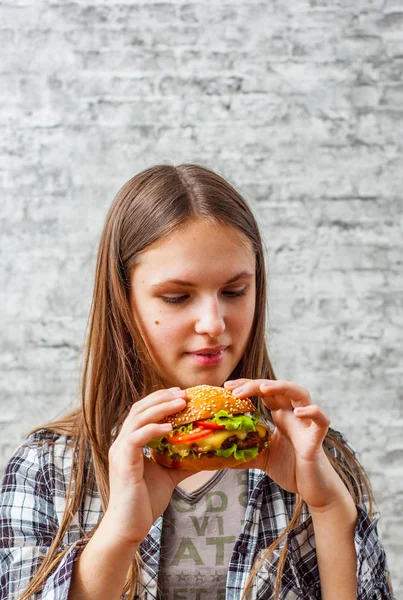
[204,463]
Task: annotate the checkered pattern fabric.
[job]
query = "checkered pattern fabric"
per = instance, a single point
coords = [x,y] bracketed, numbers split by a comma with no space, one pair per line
[32,502]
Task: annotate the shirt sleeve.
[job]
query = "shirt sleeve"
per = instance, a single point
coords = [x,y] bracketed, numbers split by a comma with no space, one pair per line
[373,578]
[28,525]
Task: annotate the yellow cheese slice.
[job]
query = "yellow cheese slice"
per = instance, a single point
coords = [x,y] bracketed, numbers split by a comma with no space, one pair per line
[261,430]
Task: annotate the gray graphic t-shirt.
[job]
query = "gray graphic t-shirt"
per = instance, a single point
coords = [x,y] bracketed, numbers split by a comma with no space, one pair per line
[199,533]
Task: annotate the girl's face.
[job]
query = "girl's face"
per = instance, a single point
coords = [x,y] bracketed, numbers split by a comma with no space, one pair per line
[193,297]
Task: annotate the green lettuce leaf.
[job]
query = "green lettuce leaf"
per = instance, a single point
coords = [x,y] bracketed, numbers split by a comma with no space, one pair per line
[244,455]
[240,422]
[157,444]
[182,429]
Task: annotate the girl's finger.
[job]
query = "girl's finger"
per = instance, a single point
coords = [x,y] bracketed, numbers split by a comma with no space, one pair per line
[314,413]
[274,393]
[155,414]
[135,442]
[141,437]
[287,391]
[154,399]
[233,383]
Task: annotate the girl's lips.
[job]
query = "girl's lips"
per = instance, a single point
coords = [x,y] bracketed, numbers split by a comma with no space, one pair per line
[206,360]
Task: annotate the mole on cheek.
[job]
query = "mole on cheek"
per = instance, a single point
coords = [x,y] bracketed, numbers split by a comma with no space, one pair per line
[157,322]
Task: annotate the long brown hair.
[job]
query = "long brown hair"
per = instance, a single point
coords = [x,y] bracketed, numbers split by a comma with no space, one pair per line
[118,369]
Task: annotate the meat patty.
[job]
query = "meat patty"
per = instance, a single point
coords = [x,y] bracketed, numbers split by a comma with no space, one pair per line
[252,439]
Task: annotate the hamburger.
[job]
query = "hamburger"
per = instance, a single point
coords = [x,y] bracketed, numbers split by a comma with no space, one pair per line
[214,431]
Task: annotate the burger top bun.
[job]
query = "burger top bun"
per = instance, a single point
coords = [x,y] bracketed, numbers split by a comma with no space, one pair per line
[204,401]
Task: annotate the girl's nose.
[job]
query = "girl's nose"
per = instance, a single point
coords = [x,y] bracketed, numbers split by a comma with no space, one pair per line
[210,320]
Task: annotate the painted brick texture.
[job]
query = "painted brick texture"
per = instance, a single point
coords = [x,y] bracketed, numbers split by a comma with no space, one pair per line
[299,105]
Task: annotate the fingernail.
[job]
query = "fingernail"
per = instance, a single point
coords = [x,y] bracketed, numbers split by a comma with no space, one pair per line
[179,402]
[231,384]
[178,392]
[238,390]
[173,389]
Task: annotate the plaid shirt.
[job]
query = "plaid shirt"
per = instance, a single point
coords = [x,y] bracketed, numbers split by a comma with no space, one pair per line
[32,503]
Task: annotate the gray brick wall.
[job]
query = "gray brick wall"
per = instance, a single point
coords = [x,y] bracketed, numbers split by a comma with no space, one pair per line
[298,104]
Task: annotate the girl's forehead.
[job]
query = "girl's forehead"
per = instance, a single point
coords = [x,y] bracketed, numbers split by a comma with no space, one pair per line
[201,247]
[202,235]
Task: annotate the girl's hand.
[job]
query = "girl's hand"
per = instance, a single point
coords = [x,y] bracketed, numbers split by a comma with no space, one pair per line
[140,489]
[295,458]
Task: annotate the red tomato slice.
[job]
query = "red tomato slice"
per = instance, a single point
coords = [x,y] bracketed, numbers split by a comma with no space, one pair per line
[186,438]
[210,425]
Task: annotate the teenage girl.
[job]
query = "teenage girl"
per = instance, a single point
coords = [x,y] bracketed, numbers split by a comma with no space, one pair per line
[86,514]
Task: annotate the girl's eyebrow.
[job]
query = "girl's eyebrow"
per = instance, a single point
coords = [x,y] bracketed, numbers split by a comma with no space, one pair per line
[241,275]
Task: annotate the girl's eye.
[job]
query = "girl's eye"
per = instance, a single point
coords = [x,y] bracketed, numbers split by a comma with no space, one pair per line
[173,299]
[235,293]
[178,299]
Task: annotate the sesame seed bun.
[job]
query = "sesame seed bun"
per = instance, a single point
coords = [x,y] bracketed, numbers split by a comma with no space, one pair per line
[204,401]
